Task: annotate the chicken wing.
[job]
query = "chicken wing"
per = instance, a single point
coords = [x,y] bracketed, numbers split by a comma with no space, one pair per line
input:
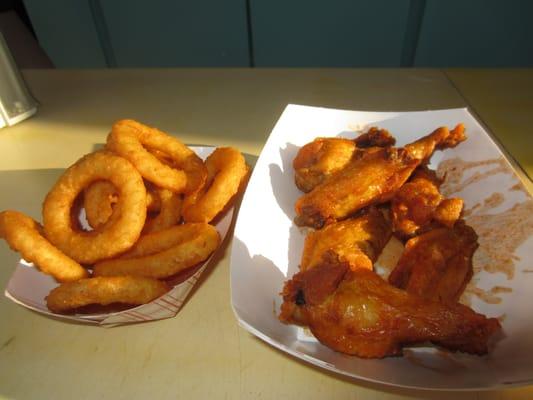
[371,177]
[358,240]
[318,160]
[358,313]
[437,265]
[440,139]
[418,205]
[375,137]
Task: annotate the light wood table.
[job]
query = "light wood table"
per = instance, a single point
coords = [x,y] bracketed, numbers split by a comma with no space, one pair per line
[202,352]
[503,98]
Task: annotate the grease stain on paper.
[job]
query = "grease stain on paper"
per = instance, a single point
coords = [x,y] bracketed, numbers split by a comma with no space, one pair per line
[500,233]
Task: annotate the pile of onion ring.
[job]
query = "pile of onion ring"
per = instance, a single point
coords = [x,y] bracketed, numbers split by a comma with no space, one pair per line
[148,201]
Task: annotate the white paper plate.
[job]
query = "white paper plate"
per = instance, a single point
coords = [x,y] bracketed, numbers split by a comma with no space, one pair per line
[267,248]
[29,287]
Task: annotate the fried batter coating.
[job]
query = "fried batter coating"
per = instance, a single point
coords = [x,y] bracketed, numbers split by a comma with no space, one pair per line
[418,205]
[318,160]
[358,241]
[106,290]
[124,226]
[24,235]
[169,213]
[136,142]
[98,201]
[226,172]
[358,313]
[371,177]
[158,241]
[437,265]
[100,197]
[179,256]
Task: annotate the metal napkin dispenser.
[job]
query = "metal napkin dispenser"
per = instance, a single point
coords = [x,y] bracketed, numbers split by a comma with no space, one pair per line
[16,101]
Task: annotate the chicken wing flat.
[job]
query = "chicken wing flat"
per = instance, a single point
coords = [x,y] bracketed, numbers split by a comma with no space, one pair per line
[358,241]
[437,265]
[318,160]
[418,205]
[358,313]
[371,177]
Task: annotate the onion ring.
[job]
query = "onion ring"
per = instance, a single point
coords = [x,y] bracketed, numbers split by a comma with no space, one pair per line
[169,213]
[167,262]
[226,169]
[128,137]
[155,242]
[98,201]
[131,290]
[23,234]
[124,226]
[100,198]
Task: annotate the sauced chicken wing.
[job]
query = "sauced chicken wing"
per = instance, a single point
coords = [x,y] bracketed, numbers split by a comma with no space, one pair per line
[358,313]
[440,139]
[418,205]
[375,137]
[358,241]
[318,160]
[437,265]
[371,177]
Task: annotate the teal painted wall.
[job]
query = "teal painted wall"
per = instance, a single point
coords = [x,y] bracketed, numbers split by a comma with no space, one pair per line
[162,33]
[66,31]
[290,33]
[476,33]
[318,33]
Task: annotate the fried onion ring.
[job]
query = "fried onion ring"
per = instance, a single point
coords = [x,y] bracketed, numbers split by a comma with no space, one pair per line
[98,201]
[226,168]
[132,290]
[23,234]
[155,242]
[124,226]
[169,212]
[194,249]
[128,139]
[100,197]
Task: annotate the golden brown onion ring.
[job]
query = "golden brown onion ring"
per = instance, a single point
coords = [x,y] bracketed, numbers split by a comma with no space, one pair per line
[100,197]
[168,262]
[226,168]
[124,226]
[128,139]
[23,234]
[155,242]
[131,290]
[98,201]
[169,212]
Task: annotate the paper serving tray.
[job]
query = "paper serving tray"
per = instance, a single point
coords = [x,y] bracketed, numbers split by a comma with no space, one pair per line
[267,247]
[29,287]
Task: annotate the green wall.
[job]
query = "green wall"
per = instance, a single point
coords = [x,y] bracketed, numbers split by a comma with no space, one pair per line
[284,33]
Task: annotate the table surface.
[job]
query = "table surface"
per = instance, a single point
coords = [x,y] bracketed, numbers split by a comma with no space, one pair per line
[202,352]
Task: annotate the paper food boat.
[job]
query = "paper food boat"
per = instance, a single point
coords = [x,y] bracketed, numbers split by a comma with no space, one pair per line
[267,247]
[29,287]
